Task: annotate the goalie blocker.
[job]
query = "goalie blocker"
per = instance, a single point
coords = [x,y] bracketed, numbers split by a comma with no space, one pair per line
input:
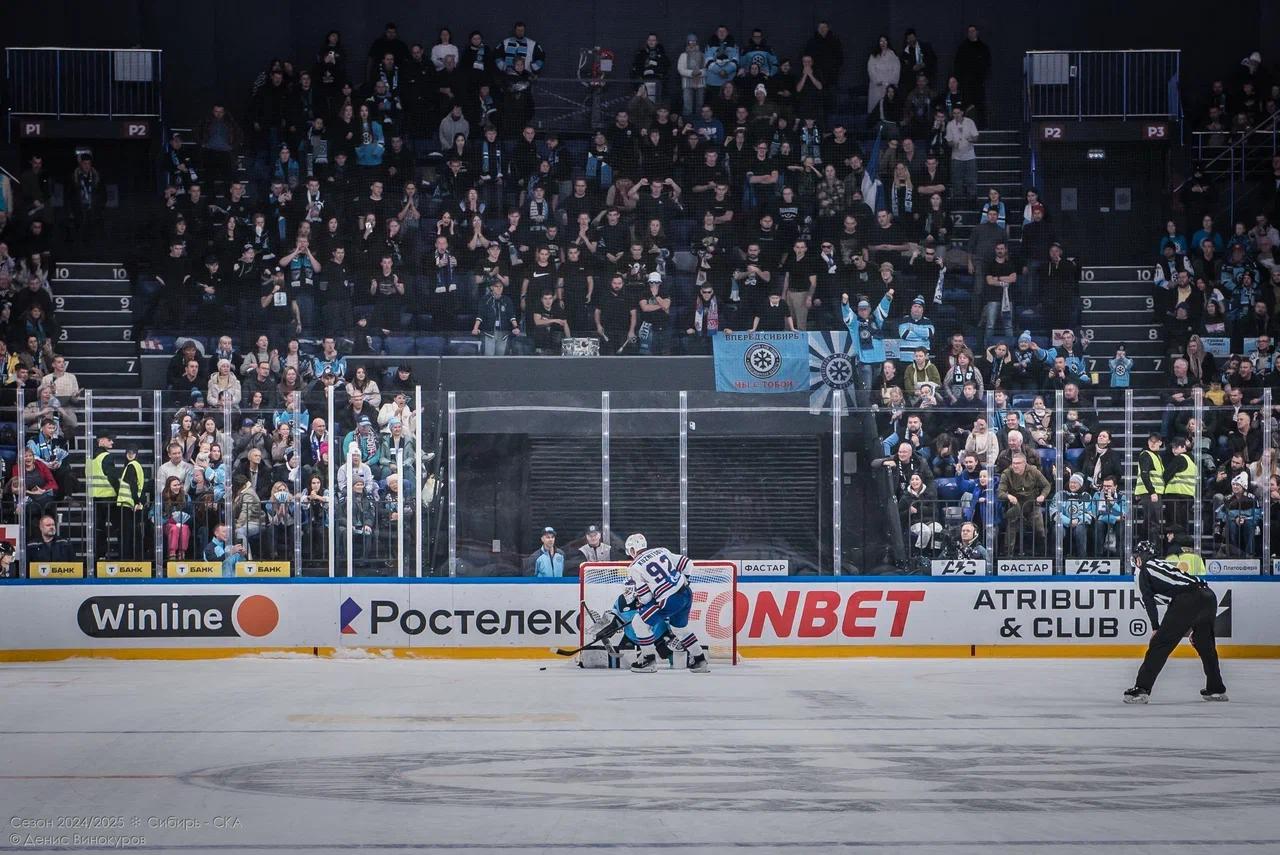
[713,617]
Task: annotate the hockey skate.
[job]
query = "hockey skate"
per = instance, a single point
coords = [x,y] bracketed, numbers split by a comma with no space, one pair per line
[1136,696]
[1207,695]
[645,664]
[698,664]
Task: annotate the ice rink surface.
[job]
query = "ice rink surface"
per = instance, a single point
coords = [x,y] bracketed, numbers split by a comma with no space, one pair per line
[795,756]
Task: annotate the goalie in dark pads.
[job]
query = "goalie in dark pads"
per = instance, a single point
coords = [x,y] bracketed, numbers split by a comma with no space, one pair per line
[1191,606]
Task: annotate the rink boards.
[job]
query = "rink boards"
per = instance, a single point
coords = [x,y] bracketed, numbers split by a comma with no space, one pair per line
[820,617]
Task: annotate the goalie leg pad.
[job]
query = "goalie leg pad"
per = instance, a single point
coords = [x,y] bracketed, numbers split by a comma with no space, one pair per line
[596,658]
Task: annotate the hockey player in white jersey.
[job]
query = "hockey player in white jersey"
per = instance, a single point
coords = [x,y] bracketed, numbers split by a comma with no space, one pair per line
[663,591]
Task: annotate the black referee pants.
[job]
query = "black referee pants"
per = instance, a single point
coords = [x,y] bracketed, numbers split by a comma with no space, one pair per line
[1194,610]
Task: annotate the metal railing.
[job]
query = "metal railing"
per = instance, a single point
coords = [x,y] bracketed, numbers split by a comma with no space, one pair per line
[569,105]
[1237,157]
[84,83]
[1102,84]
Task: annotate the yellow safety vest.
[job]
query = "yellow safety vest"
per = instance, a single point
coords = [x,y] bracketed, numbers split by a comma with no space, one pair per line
[1184,483]
[1157,475]
[1188,562]
[125,496]
[102,488]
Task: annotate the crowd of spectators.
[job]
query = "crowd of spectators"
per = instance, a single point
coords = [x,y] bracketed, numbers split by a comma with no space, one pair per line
[423,201]
[251,446]
[1236,103]
[945,464]
[244,471]
[343,216]
[1214,314]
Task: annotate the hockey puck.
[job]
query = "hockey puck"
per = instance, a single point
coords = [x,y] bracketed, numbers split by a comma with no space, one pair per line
[543,668]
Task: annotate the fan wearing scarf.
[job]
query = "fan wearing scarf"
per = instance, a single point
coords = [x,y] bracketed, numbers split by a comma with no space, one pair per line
[867,329]
[707,318]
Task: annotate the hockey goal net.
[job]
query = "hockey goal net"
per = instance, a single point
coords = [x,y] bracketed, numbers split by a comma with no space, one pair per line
[715,601]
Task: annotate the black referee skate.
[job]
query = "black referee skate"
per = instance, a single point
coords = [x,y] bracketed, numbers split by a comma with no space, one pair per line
[1136,696]
[646,664]
[698,664]
[1207,695]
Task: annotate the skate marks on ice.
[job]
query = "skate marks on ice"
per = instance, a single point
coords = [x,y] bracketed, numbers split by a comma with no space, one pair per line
[784,778]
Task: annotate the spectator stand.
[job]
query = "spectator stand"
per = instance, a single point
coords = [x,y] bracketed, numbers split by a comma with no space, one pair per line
[121,521]
[445,285]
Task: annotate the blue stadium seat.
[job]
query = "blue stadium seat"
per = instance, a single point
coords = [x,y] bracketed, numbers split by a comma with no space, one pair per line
[1073,456]
[429,345]
[948,489]
[399,345]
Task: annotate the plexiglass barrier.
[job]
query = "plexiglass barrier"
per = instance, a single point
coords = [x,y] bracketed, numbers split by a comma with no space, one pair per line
[487,484]
[159,485]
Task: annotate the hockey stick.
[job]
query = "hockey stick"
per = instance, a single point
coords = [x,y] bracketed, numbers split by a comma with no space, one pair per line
[560,651]
[604,636]
[596,618]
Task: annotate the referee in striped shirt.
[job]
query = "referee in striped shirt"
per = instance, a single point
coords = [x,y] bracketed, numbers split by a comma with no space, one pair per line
[1191,605]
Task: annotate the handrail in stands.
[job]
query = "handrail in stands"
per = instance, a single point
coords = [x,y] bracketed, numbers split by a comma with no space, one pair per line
[1273,120]
[1235,152]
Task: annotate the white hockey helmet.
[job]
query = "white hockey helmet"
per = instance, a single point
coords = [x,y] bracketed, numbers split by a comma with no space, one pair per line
[636,544]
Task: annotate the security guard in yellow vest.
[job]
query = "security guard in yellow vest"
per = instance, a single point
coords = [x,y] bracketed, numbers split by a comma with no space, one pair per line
[131,504]
[1187,560]
[102,475]
[1149,489]
[1179,549]
[1180,484]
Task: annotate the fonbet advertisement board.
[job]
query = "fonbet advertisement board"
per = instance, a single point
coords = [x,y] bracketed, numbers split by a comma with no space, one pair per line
[958,611]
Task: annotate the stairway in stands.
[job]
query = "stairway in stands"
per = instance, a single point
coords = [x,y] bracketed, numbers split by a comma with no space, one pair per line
[94,305]
[1117,309]
[128,416]
[1002,165]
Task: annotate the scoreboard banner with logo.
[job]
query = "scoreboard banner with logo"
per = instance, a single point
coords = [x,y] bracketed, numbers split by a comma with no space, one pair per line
[262,569]
[1024,567]
[55,571]
[193,569]
[957,567]
[949,615]
[1094,567]
[123,569]
[197,570]
[1233,567]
